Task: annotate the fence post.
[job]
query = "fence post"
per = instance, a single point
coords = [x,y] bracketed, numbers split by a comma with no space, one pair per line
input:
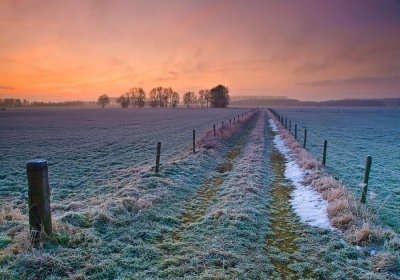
[194,141]
[290,126]
[368,163]
[230,122]
[324,153]
[286,123]
[215,134]
[305,138]
[295,131]
[39,196]
[158,156]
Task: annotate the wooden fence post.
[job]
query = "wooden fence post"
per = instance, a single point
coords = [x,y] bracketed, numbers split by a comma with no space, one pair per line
[39,196]
[194,141]
[158,156]
[215,133]
[295,131]
[305,138]
[290,126]
[367,170]
[324,153]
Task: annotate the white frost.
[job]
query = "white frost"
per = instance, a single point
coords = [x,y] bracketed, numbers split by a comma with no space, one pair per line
[273,125]
[307,203]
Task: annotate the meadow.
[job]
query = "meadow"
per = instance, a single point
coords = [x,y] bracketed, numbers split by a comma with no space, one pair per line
[232,210]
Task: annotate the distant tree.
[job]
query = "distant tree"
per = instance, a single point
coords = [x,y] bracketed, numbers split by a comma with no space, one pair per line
[11,102]
[189,98]
[2,106]
[160,96]
[132,93]
[174,99]
[202,98]
[17,102]
[140,97]
[153,97]
[219,96]
[25,103]
[123,100]
[167,96]
[103,100]
[207,97]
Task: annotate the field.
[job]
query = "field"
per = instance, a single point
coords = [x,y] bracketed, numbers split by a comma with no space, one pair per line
[237,209]
[352,134]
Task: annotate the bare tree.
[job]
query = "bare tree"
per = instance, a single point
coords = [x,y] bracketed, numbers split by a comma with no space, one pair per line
[153,97]
[160,96]
[189,98]
[123,100]
[202,98]
[140,97]
[207,97]
[167,95]
[174,99]
[133,95]
[103,100]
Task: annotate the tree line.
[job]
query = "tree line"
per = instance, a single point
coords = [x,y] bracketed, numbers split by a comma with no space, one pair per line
[19,103]
[217,97]
[13,102]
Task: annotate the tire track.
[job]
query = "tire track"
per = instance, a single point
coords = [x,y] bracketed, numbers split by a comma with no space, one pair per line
[197,206]
[281,245]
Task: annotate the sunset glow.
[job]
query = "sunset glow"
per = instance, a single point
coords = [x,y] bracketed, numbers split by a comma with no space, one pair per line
[309,50]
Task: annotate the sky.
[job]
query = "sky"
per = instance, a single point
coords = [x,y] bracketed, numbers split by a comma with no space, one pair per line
[54,50]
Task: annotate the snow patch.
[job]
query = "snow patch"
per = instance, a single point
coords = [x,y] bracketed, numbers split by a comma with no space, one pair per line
[307,203]
[273,125]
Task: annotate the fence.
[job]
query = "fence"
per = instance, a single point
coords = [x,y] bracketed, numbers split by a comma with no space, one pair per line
[38,182]
[356,173]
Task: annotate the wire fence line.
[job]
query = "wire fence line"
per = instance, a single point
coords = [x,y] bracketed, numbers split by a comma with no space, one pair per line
[220,127]
[348,165]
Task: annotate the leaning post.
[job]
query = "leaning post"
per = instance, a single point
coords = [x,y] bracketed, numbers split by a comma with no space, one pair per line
[39,196]
[368,163]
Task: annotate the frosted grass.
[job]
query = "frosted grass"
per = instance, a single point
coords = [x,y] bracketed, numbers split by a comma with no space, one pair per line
[92,151]
[307,203]
[352,134]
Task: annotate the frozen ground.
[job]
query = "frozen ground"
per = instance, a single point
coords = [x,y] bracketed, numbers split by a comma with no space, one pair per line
[353,134]
[222,213]
[307,203]
[93,150]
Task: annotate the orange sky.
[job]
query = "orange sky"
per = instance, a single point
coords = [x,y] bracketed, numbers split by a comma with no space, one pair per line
[309,50]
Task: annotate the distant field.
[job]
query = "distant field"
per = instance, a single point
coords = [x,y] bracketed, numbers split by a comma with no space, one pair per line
[91,149]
